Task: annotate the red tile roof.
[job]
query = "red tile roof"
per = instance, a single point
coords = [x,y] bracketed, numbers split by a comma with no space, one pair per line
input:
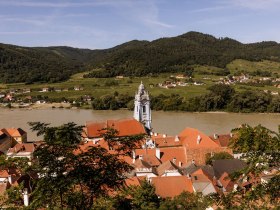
[193,138]
[171,186]
[14,132]
[125,127]
[169,153]
[23,147]
[133,181]
[4,174]
[166,154]
[226,182]
[222,140]
[151,159]
[166,166]
[168,141]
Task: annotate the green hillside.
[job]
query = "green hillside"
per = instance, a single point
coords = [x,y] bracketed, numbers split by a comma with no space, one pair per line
[136,58]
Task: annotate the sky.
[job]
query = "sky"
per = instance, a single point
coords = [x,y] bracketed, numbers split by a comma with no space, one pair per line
[101,24]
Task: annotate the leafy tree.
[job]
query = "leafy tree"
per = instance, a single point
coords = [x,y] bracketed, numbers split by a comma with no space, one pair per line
[186,200]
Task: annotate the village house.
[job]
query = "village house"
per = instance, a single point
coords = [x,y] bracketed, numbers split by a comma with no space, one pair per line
[16,134]
[5,142]
[22,150]
[126,127]
[78,88]
[45,89]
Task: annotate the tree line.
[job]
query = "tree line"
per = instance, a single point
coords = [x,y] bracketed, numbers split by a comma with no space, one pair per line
[219,98]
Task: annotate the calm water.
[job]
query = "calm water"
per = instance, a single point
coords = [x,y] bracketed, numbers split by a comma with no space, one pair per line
[170,123]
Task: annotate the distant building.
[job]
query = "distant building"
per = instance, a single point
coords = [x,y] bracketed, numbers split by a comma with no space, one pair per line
[142,108]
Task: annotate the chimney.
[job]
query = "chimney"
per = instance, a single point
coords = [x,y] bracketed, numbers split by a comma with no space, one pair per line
[164,135]
[10,179]
[198,139]
[174,160]
[155,134]
[180,164]
[193,162]
[140,157]
[133,156]
[216,136]
[177,138]
[158,153]
[25,197]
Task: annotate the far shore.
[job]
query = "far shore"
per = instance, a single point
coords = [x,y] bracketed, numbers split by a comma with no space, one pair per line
[62,105]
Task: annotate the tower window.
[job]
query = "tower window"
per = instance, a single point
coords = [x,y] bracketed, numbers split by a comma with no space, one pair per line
[144,109]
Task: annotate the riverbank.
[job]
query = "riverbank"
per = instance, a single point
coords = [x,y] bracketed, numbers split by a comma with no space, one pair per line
[170,123]
[62,105]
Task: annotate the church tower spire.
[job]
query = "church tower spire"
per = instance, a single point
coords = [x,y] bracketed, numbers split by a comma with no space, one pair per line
[142,108]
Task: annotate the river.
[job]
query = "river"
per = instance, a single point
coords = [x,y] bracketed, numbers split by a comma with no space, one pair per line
[170,123]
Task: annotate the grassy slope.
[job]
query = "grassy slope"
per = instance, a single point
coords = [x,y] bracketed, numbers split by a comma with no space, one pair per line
[129,88]
[243,65]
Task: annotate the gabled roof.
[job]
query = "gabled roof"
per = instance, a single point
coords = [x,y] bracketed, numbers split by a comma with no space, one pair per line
[151,159]
[23,147]
[166,166]
[222,140]
[4,174]
[141,164]
[171,186]
[162,140]
[169,153]
[125,127]
[190,168]
[228,165]
[226,182]
[13,132]
[193,138]
[132,181]
[166,153]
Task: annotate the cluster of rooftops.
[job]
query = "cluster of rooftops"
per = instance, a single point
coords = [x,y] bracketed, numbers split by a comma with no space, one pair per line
[173,164]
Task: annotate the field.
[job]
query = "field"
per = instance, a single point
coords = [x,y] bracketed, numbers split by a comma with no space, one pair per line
[248,66]
[98,87]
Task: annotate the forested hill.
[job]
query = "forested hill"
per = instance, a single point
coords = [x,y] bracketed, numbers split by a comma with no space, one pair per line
[134,58]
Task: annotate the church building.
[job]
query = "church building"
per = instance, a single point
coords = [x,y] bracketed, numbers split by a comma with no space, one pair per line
[142,107]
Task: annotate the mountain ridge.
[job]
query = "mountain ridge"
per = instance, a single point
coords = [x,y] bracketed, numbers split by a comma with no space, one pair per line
[133,58]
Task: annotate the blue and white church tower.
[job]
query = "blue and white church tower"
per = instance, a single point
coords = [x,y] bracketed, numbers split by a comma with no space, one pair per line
[142,108]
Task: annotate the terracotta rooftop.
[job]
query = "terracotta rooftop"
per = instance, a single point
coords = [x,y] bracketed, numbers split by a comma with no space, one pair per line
[151,159]
[221,140]
[4,174]
[226,182]
[162,140]
[24,147]
[171,153]
[193,138]
[141,164]
[171,186]
[14,132]
[133,181]
[125,127]
[166,166]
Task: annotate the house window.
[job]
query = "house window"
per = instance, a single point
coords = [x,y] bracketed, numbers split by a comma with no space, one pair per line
[144,109]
